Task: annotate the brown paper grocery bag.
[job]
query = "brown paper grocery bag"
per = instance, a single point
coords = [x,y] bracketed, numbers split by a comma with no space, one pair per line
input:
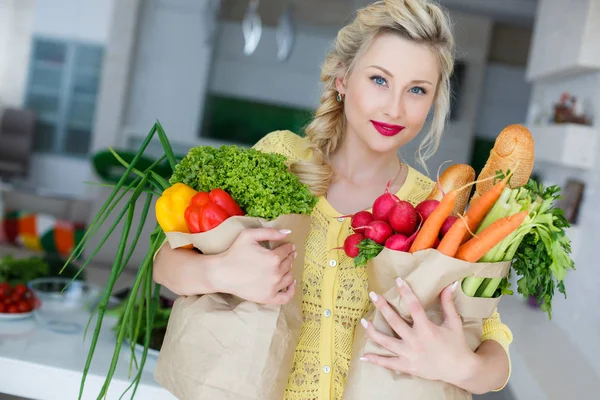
[428,273]
[219,346]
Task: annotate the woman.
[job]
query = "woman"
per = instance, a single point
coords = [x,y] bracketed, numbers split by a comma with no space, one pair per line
[388,68]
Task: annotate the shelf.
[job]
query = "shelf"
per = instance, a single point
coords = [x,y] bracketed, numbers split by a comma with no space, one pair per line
[568,145]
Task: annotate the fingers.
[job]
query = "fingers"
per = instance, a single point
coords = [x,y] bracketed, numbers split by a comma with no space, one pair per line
[392,344]
[451,316]
[392,363]
[391,316]
[286,280]
[414,305]
[284,297]
[284,252]
[264,234]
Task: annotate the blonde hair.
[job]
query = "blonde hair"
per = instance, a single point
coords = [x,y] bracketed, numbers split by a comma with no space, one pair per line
[421,21]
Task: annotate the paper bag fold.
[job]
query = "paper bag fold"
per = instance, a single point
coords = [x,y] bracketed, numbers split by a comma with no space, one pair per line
[427,272]
[219,346]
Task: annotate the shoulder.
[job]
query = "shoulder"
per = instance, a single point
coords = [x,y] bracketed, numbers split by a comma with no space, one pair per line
[419,185]
[286,143]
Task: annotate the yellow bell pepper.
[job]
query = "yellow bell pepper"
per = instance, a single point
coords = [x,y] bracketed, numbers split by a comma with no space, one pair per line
[170,208]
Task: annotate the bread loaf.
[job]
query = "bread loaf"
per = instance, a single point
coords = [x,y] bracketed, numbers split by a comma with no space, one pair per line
[454,177]
[513,150]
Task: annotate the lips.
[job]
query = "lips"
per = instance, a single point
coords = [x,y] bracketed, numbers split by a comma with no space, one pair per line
[387,129]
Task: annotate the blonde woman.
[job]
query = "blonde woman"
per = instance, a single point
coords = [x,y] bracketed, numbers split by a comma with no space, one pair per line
[385,72]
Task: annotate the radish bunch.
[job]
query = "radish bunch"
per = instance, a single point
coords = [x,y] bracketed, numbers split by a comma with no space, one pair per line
[393,223]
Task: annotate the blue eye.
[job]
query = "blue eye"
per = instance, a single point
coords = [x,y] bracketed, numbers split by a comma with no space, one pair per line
[379,80]
[418,90]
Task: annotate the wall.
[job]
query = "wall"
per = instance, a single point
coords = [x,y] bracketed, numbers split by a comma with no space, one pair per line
[297,83]
[504,99]
[16,27]
[86,20]
[171,66]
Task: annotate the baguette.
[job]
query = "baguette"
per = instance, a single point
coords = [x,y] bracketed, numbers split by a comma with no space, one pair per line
[454,177]
[513,150]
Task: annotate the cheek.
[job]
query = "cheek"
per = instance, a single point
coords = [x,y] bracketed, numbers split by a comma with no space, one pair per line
[365,101]
[417,111]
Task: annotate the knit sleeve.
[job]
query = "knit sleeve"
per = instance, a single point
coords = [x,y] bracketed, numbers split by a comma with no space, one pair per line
[286,143]
[494,329]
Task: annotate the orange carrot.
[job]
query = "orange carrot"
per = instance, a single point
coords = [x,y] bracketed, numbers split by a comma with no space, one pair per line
[475,248]
[453,238]
[460,231]
[480,207]
[431,227]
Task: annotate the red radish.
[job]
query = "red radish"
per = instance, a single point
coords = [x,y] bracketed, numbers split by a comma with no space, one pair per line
[384,203]
[361,218]
[400,242]
[425,208]
[378,231]
[397,242]
[450,220]
[403,218]
[351,244]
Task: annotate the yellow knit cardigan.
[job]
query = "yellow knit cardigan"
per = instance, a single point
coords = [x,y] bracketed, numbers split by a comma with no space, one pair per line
[334,292]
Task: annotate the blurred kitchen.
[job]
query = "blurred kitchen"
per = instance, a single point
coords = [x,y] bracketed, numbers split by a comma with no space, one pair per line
[78,77]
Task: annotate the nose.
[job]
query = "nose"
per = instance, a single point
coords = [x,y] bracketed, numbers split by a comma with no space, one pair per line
[396,107]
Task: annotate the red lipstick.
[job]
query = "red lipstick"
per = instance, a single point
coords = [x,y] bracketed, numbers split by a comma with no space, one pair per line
[387,129]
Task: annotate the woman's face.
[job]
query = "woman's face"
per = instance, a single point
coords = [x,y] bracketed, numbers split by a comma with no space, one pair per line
[389,92]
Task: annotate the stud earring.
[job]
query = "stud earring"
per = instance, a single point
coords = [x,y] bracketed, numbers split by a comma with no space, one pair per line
[339,97]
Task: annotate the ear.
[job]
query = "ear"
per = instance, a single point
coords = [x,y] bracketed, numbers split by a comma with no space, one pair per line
[340,85]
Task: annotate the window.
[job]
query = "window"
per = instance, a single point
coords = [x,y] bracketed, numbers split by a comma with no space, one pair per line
[64,78]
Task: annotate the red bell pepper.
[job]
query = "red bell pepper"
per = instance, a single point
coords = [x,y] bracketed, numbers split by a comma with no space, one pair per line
[208,210]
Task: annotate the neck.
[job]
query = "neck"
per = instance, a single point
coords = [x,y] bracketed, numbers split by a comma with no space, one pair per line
[354,162]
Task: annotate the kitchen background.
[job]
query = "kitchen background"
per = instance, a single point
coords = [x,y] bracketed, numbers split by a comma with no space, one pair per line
[80,76]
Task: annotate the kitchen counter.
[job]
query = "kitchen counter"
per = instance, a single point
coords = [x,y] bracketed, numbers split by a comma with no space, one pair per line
[39,364]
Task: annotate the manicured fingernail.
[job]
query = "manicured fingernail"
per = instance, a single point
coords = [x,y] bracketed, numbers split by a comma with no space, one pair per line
[293,247]
[454,286]
[399,282]
[373,296]
[364,359]
[294,284]
[295,254]
[285,231]
[364,323]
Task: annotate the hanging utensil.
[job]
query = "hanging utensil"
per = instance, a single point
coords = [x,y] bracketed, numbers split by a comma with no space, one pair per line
[285,34]
[252,27]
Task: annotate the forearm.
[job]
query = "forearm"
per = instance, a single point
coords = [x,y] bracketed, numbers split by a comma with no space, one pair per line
[487,370]
[185,272]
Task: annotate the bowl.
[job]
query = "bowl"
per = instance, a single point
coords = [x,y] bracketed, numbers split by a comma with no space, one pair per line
[64,305]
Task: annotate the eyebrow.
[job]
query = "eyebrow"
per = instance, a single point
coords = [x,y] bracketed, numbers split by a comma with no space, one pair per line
[392,75]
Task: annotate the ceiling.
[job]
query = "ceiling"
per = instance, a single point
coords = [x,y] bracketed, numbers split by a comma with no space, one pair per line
[335,13]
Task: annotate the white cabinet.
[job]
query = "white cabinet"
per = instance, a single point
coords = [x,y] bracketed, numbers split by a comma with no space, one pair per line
[568,145]
[565,40]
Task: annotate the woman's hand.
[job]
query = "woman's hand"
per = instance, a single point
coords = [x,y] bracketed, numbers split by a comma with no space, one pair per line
[425,350]
[255,273]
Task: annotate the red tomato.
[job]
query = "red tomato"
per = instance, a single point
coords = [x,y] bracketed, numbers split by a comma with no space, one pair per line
[13,309]
[7,301]
[24,306]
[2,308]
[20,289]
[4,287]
[15,297]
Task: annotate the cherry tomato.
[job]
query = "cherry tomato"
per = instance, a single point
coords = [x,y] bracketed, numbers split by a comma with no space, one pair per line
[13,309]
[2,308]
[20,289]
[15,297]
[4,287]
[7,301]
[24,306]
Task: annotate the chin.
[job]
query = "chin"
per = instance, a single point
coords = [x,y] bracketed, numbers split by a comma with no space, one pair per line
[385,144]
